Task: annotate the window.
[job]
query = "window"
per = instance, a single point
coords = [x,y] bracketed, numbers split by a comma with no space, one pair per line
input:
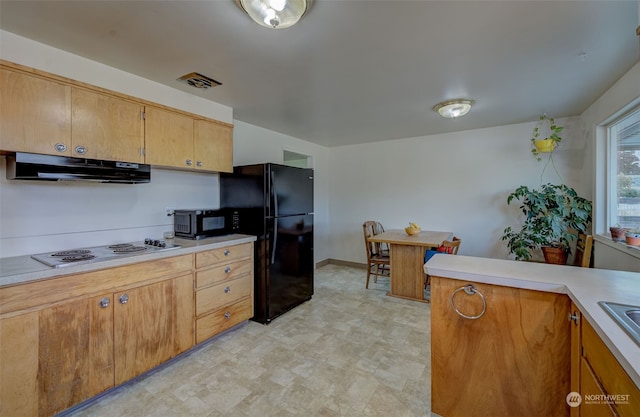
[623,174]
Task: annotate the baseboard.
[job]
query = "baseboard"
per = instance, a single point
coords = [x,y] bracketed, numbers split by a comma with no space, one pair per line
[341,263]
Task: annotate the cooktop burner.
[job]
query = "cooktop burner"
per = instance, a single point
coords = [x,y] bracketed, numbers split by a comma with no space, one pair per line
[102,253]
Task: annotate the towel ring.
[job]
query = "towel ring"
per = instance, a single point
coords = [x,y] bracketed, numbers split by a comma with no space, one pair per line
[469,290]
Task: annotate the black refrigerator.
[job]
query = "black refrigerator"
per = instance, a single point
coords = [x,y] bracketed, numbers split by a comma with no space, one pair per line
[275,203]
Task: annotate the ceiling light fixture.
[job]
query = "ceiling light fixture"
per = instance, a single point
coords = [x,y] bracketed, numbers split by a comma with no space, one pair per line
[275,14]
[453,108]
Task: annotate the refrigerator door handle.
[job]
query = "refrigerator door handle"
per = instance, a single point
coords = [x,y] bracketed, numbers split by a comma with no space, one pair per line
[274,194]
[275,241]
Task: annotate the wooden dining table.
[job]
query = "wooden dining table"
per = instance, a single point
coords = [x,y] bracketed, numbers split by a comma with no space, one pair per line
[407,259]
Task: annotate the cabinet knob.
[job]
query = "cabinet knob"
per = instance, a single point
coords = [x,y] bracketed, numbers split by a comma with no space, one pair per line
[104,302]
[189,162]
[227,269]
[124,299]
[227,315]
[81,150]
[227,290]
[575,317]
[227,252]
[199,163]
[60,147]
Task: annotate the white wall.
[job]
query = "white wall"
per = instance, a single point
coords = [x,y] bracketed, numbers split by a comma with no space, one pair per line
[455,182]
[253,144]
[624,94]
[41,216]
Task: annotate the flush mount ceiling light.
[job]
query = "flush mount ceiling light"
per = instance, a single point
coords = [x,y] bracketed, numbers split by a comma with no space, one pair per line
[453,108]
[275,14]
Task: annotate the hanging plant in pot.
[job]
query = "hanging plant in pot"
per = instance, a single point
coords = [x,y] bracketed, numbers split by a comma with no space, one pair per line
[553,214]
[549,141]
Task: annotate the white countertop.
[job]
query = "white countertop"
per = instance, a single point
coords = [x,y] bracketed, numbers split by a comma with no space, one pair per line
[585,287]
[21,269]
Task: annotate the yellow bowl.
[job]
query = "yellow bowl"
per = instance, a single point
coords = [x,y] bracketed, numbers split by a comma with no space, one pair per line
[411,231]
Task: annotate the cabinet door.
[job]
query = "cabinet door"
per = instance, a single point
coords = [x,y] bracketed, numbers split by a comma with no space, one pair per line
[168,138]
[75,353]
[213,146]
[589,385]
[55,358]
[512,361]
[35,114]
[152,324]
[106,127]
[19,365]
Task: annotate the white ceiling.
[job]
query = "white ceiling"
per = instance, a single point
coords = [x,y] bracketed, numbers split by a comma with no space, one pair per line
[357,71]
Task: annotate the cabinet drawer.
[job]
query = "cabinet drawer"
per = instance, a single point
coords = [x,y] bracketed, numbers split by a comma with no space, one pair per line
[212,298]
[229,253]
[609,372]
[223,319]
[223,273]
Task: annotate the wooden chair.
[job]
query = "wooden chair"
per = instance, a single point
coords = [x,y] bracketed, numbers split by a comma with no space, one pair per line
[448,246]
[378,261]
[584,248]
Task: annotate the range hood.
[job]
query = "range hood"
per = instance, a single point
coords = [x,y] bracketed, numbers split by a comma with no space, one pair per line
[29,166]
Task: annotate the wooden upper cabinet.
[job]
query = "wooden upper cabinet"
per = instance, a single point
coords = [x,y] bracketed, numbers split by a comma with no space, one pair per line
[213,146]
[168,138]
[35,114]
[106,127]
[177,140]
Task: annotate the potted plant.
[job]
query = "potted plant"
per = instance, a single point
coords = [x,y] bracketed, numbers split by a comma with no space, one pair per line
[632,237]
[545,144]
[617,233]
[553,216]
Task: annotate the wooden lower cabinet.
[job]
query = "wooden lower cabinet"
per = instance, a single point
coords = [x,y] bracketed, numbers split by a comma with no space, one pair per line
[224,289]
[605,387]
[56,357]
[59,356]
[152,324]
[512,361]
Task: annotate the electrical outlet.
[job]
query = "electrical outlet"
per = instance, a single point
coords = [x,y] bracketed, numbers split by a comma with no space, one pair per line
[169,211]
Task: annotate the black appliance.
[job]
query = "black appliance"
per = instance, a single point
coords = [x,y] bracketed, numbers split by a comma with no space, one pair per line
[275,203]
[30,166]
[202,223]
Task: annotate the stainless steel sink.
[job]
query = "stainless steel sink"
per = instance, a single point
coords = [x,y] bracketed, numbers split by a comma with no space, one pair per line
[627,317]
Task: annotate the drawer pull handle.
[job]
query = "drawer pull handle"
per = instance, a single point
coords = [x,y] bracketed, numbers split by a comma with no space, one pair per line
[104,302]
[60,147]
[227,252]
[227,315]
[227,290]
[469,290]
[124,299]
[189,162]
[227,269]
[199,163]
[81,150]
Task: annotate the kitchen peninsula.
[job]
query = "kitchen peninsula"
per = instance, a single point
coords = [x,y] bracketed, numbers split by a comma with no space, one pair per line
[533,334]
[68,334]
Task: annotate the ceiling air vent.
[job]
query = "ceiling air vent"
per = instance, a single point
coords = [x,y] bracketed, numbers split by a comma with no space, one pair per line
[199,81]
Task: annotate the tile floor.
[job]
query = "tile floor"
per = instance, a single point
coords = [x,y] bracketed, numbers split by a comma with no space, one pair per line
[347,352]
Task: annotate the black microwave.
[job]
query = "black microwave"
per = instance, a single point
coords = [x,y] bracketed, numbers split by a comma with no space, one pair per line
[201,223]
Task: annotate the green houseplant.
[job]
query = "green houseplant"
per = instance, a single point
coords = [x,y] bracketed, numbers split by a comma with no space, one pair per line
[545,144]
[553,215]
